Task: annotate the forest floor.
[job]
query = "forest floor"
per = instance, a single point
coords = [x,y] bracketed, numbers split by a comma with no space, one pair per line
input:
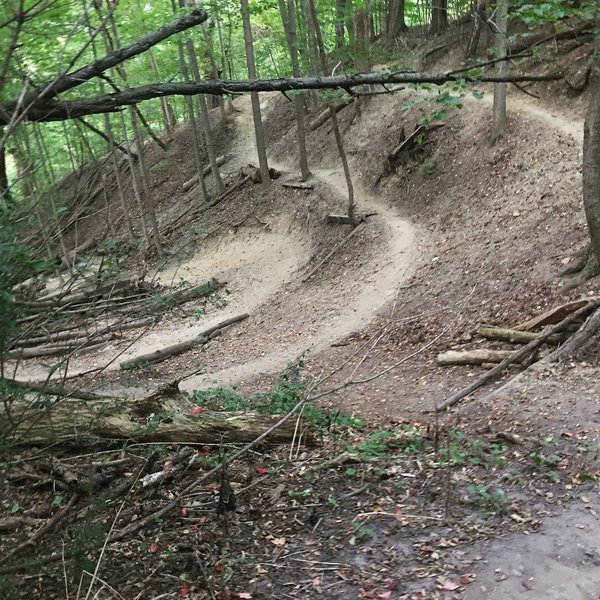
[495,499]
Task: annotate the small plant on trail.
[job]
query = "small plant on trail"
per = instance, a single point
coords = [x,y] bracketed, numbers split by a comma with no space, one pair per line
[362,533]
[490,500]
[429,166]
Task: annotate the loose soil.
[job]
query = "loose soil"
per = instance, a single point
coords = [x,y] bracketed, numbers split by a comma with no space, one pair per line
[464,234]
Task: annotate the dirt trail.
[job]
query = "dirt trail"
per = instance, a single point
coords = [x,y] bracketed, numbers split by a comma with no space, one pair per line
[526,107]
[362,299]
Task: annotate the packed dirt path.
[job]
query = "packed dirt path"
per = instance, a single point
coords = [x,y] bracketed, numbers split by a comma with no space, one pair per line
[351,308]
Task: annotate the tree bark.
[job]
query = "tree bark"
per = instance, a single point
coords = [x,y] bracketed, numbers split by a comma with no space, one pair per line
[479,17]
[439,16]
[68,109]
[395,21]
[261,148]
[591,156]
[479,356]
[499,118]
[5,193]
[161,417]
[288,18]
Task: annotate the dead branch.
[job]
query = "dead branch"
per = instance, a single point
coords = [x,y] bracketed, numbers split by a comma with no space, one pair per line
[556,314]
[589,329]
[43,110]
[206,171]
[175,349]
[518,355]
[326,114]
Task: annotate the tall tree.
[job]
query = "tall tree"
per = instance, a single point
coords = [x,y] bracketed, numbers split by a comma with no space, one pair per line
[439,16]
[288,18]
[261,148]
[499,118]
[334,121]
[591,163]
[395,21]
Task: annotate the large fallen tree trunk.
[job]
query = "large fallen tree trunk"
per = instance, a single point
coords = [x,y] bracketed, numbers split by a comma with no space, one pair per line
[160,355]
[161,417]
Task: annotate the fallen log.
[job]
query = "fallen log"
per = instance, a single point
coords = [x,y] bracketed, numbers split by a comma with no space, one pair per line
[326,114]
[479,356]
[550,33]
[190,183]
[60,299]
[160,417]
[198,291]
[514,336]
[524,352]
[556,314]
[161,355]
[298,185]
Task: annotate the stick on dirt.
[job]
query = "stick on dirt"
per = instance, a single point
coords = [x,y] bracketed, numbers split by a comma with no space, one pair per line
[175,349]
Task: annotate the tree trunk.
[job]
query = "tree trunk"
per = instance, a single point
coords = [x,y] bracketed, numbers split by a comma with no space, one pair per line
[334,122]
[258,127]
[340,6]
[395,21]
[591,162]
[288,18]
[4,187]
[439,16]
[479,18]
[499,121]
[203,108]
[165,416]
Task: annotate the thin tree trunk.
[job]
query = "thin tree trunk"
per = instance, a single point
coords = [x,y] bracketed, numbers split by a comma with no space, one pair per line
[334,122]
[499,122]
[145,176]
[210,146]
[288,17]
[5,193]
[591,160]
[340,6]
[479,17]
[258,126]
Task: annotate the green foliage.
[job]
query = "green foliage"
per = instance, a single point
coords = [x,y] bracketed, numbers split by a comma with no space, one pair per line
[8,589]
[490,500]
[86,539]
[361,532]
[385,441]
[552,11]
